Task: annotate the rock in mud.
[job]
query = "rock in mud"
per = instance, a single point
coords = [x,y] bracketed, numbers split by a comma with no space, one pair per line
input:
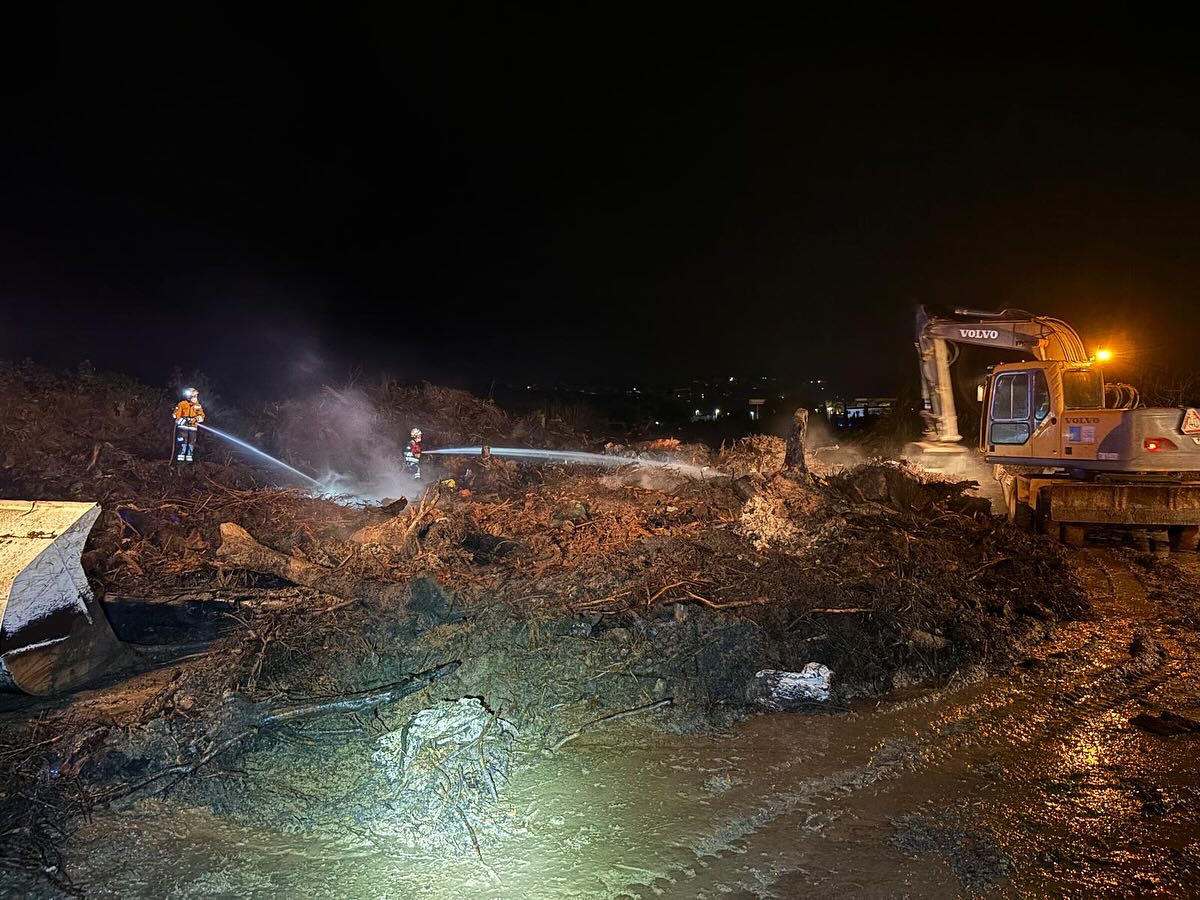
[574,512]
[486,548]
[787,690]
[747,486]
[1165,724]
[923,640]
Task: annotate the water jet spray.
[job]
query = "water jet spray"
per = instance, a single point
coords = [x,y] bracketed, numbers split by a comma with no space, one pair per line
[262,453]
[578,457]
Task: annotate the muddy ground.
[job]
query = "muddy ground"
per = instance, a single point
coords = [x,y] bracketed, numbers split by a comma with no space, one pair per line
[617,615]
[1061,776]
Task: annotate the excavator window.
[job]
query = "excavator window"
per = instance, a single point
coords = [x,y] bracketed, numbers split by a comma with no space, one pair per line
[1010,409]
[1041,396]
[1011,402]
[1083,389]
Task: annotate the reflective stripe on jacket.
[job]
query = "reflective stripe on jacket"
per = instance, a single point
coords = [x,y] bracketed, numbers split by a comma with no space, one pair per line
[189,414]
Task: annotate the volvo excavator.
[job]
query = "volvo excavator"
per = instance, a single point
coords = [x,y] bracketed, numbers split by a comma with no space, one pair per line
[1071,450]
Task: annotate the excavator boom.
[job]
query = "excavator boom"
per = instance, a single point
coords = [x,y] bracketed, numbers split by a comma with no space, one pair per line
[1041,337]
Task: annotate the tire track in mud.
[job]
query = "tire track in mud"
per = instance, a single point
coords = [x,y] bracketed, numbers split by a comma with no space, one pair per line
[983,718]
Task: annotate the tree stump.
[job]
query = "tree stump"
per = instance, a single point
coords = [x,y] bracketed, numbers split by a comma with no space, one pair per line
[793,459]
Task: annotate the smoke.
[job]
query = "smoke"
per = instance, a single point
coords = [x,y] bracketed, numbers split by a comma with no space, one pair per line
[360,449]
[820,432]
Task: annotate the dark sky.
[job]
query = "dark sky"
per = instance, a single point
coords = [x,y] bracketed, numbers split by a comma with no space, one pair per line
[594,193]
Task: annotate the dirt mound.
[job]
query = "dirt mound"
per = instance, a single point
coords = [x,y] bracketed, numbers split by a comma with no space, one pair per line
[558,597]
[756,454]
[891,553]
[50,414]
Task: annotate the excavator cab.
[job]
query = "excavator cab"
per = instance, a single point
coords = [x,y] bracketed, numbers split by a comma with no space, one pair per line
[1018,408]
[1056,413]
[1024,404]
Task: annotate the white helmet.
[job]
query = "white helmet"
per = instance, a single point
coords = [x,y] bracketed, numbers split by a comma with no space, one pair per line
[415,434]
[191,393]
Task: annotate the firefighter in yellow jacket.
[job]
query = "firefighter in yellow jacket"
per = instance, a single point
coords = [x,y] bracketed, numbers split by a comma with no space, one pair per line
[189,416]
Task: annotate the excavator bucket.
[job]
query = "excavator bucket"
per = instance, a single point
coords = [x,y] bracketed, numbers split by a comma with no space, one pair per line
[53,634]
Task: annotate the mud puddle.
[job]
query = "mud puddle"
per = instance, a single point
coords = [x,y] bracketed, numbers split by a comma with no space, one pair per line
[626,815]
[1027,783]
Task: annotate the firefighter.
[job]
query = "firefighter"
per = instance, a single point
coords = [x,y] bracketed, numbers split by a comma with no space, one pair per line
[189,416]
[412,454]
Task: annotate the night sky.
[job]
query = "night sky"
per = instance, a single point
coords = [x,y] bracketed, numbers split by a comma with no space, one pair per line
[594,194]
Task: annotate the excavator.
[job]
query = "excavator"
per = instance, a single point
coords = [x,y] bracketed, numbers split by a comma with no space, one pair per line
[1072,451]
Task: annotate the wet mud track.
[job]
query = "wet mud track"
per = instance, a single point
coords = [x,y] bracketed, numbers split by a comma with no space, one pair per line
[1028,783]
[1033,784]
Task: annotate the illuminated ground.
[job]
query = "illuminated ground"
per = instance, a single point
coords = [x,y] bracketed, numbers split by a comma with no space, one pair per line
[1031,783]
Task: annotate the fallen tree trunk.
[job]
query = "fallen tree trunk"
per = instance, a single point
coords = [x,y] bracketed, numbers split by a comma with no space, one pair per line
[239,549]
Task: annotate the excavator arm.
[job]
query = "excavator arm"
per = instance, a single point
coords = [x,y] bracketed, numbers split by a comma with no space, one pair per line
[1072,451]
[1038,336]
